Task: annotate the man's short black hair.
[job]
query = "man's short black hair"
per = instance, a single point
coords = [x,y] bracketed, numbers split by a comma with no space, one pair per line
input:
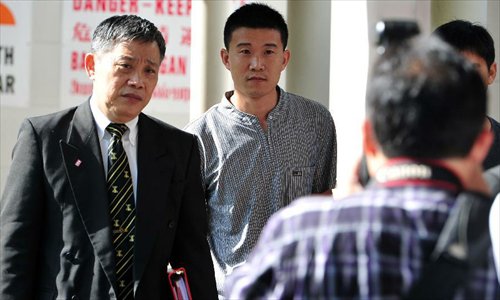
[255,15]
[426,101]
[466,36]
[125,28]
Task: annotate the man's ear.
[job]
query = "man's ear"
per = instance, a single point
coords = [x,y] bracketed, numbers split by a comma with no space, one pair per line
[481,145]
[224,55]
[286,58]
[375,158]
[90,65]
[370,144]
[492,73]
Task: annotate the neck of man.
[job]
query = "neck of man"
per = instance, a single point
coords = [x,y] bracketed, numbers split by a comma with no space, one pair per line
[257,106]
[470,173]
[487,124]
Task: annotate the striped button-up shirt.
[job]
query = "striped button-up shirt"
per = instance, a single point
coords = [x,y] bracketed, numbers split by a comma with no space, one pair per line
[369,246]
[250,173]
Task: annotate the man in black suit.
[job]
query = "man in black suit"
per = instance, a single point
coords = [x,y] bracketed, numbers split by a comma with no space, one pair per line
[58,228]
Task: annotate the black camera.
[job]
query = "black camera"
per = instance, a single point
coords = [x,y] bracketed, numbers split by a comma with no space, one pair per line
[395,31]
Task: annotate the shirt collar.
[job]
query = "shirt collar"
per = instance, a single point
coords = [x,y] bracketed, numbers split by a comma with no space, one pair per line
[245,117]
[102,122]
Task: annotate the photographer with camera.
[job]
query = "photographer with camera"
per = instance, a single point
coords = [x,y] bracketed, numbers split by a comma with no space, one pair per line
[423,157]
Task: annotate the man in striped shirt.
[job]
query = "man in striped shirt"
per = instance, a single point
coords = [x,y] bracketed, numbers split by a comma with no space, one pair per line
[261,147]
[426,139]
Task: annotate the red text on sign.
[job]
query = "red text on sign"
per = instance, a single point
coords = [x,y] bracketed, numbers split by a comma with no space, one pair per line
[172,93]
[173,7]
[80,88]
[164,31]
[186,36]
[114,6]
[81,32]
[77,60]
[174,65]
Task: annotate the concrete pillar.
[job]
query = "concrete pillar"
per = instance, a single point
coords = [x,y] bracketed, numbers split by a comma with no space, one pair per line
[209,76]
[308,72]
[348,73]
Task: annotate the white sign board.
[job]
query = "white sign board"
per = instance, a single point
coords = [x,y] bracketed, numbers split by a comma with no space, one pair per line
[173,19]
[15,56]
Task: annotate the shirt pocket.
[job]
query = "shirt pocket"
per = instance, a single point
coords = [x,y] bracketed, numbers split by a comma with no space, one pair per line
[299,182]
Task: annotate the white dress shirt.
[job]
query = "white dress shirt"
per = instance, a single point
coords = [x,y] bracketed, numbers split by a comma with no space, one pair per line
[129,141]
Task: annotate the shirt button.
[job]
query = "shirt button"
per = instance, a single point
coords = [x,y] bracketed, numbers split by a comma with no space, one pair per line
[171,224]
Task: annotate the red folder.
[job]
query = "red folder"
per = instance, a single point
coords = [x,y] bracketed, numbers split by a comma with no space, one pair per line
[178,281]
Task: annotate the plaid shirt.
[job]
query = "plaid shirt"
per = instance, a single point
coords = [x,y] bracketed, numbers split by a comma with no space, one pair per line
[369,246]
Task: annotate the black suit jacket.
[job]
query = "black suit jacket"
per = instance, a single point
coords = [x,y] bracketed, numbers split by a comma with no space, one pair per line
[55,237]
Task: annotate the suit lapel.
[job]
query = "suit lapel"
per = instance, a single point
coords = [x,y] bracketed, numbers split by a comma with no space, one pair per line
[155,171]
[83,163]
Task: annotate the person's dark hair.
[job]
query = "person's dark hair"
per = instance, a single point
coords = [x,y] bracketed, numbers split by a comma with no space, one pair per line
[425,101]
[466,36]
[255,15]
[119,29]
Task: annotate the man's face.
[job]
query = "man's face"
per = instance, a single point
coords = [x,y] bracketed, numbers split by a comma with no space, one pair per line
[124,78]
[487,74]
[255,59]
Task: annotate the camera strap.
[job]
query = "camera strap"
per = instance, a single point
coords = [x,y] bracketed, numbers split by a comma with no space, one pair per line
[404,171]
[464,239]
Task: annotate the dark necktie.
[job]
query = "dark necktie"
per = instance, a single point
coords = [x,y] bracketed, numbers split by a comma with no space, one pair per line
[122,211]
